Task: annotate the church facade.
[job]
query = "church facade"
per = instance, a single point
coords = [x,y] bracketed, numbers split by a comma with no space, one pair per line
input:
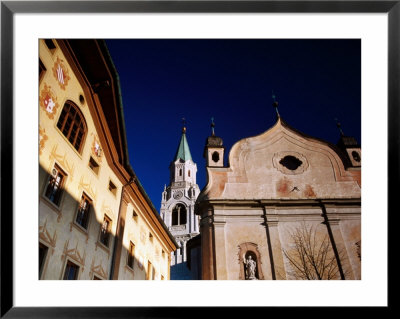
[177,206]
[96,221]
[287,206]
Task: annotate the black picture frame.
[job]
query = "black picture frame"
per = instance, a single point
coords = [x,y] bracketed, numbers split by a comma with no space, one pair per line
[9,8]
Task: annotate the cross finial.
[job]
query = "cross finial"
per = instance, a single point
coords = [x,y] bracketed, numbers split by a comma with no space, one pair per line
[212,126]
[275,104]
[183,125]
[339,126]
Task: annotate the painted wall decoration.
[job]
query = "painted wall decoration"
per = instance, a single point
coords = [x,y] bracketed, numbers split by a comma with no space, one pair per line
[97,270]
[48,101]
[157,254]
[45,235]
[143,234]
[74,253]
[87,187]
[62,159]
[60,72]
[42,139]
[106,210]
[96,148]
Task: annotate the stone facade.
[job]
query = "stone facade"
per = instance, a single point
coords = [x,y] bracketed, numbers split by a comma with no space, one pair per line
[95,219]
[177,206]
[281,191]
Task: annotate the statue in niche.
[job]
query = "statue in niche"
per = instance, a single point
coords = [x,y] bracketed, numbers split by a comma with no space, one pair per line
[251,265]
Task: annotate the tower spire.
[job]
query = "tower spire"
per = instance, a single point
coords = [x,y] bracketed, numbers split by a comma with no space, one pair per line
[275,104]
[183,151]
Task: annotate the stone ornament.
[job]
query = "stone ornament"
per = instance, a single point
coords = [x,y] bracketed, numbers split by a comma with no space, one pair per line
[250,268]
[178,195]
[290,163]
[250,264]
[178,227]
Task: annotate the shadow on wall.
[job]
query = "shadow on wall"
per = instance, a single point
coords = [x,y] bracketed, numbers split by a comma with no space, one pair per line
[181,272]
[77,235]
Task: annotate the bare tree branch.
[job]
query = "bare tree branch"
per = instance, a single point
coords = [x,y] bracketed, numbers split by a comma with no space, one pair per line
[311,257]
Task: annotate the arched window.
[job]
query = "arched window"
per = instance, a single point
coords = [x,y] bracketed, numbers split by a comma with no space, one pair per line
[72,124]
[179,215]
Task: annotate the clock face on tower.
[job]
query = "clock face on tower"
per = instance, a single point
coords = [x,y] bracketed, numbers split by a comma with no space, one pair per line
[178,194]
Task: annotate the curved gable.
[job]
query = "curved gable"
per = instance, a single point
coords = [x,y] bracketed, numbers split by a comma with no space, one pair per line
[282,163]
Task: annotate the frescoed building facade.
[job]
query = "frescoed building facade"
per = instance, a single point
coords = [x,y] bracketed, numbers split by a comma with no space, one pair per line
[95,219]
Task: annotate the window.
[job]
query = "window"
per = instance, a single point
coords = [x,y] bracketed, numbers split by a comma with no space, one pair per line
[215,157]
[179,215]
[82,217]
[71,271]
[72,124]
[42,257]
[356,156]
[96,278]
[189,173]
[105,231]
[151,237]
[291,162]
[81,99]
[131,255]
[42,70]
[112,188]
[134,215]
[55,184]
[180,172]
[150,271]
[94,166]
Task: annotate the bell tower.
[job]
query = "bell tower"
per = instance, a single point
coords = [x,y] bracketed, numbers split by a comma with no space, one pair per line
[214,149]
[350,146]
[177,205]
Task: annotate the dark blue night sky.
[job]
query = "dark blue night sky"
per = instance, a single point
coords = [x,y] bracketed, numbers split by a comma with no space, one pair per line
[162,81]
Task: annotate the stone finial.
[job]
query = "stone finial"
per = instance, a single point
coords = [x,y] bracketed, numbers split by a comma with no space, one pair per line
[212,127]
[275,104]
[183,125]
[339,126]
